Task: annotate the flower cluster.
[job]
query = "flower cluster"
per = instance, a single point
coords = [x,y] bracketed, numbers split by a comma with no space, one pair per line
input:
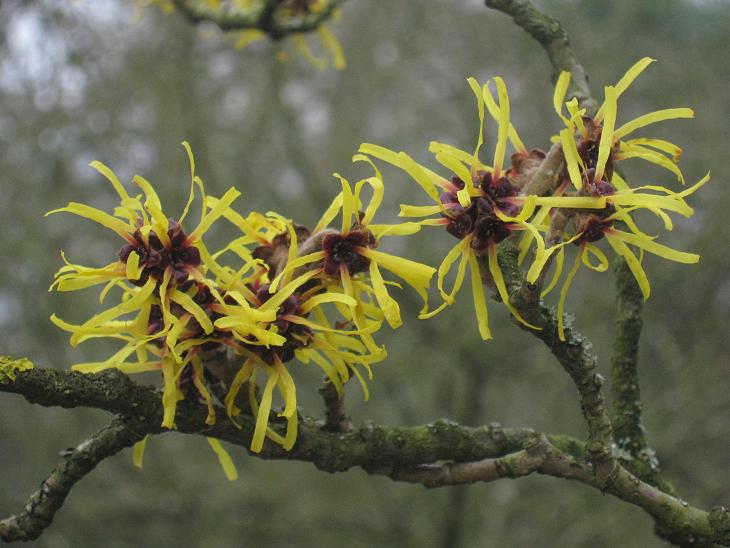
[275,293]
[482,205]
[216,323]
[593,147]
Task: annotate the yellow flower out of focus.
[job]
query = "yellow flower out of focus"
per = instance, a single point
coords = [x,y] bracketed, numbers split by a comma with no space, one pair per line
[246,15]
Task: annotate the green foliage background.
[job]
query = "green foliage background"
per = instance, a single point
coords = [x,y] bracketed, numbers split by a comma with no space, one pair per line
[79,81]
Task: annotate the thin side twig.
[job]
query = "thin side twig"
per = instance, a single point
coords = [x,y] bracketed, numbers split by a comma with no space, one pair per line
[626,413]
[42,505]
[336,418]
[577,357]
[676,521]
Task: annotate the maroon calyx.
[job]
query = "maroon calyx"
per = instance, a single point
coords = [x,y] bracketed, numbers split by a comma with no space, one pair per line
[155,324]
[499,189]
[588,152]
[341,249]
[274,255]
[460,226]
[498,193]
[480,218]
[593,230]
[588,149]
[489,229]
[594,225]
[155,257]
[594,188]
[461,220]
[300,7]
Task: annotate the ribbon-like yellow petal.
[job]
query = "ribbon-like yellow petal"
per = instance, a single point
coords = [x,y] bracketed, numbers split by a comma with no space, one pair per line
[262,413]
[480,302]
[387,304]
[504,124]
[94,214]
[502,288]
[572,159]
[607,137]
[229,469]
[561,88]
[652,118]
[564,293]
[617,243]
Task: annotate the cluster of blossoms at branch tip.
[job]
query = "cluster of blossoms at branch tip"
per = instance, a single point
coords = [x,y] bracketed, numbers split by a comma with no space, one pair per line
[213,322]
[245,14]
[482,205]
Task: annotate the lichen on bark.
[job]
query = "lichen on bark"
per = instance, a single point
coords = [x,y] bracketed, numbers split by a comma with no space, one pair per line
[9,368]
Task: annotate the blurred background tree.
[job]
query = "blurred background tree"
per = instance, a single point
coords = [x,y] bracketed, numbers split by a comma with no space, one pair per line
[83,80]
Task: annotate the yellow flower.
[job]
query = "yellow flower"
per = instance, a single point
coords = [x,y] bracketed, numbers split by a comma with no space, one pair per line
[614,147]
[246,14]
[336,351]
[480,205]
[591,146]
[592,227]
[179,303]
[160,272]
[273,308]
[158,255]
[348,259]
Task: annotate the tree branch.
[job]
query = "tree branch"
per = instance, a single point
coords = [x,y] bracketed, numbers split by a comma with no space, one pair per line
[551,36]
[76,464]
[365,447]
[538,455]
[549,175]
[336,418]
[676,520]
[397,452]
[628,430]
[575,354]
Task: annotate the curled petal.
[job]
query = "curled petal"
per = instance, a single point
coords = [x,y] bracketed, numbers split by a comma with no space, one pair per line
[564,293]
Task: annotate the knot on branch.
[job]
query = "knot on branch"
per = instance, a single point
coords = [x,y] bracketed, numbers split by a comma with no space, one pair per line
[605,467]
[496,432]
[719,519]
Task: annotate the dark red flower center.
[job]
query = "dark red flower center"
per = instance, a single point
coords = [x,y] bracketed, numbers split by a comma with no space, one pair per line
[479,218]
[155,257]
[593,231]
[342,249]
